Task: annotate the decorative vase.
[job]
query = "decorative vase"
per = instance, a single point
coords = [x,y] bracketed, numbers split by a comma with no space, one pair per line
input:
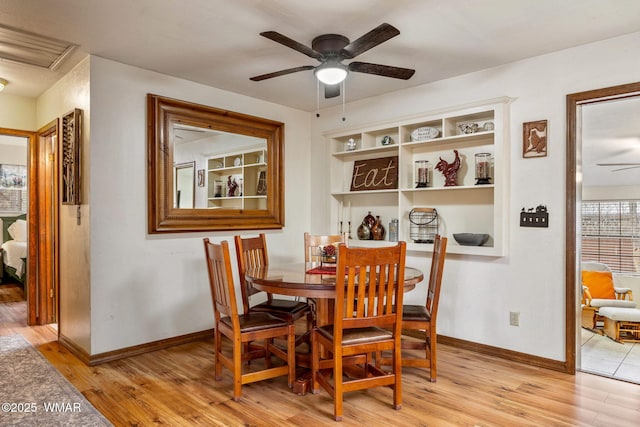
[370,220]
[364,232]
[377,231]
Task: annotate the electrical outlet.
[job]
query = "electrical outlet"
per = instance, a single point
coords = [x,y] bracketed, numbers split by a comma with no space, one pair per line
[514,318]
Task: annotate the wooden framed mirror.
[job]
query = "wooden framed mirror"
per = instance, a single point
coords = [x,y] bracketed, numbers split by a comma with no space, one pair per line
[241,157]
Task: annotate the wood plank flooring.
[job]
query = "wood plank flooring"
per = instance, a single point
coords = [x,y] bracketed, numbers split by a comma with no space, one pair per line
[175,387]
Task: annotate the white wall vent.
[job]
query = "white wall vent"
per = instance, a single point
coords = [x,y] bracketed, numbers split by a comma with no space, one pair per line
[32,49]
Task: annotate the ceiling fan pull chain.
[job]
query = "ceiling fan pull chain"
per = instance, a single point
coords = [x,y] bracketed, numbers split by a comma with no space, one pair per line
[317,98]
[344,95]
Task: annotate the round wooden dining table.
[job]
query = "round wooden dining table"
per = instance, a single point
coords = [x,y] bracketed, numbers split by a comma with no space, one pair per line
[310,280]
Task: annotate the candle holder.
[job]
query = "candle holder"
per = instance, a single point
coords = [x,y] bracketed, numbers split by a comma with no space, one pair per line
[422,173]
[483,168]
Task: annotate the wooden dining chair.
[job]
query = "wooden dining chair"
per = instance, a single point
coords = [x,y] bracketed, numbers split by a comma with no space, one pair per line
[373,282]
[313,243]
[422,318]
[251,252]
[243,328]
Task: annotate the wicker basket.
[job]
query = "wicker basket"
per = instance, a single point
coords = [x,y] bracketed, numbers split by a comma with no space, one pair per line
[423,225]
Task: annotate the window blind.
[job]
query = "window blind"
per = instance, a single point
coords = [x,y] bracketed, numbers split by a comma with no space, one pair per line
[611,234]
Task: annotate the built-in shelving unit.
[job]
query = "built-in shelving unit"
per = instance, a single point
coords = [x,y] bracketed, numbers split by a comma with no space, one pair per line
[248,170]
[464,208]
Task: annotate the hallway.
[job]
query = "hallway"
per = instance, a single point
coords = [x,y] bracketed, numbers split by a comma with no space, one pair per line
[13,306]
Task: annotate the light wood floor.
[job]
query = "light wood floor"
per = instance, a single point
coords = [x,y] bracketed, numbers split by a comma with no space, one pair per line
[175,387]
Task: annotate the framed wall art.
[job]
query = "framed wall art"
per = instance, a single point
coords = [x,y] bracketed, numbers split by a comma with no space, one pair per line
[71,143]
[200,177]
[261,186]
[534,139]
[375,174]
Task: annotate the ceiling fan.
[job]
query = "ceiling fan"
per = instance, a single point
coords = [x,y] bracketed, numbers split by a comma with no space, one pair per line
[331,50]
[625,166]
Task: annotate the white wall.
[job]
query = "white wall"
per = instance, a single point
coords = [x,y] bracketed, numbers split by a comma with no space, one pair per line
[150,287]
[72,91]
[17,112]
[596,192]
[13,150]
[478,292]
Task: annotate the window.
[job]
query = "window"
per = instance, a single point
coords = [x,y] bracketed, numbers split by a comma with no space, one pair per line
[611,234]
[13,188]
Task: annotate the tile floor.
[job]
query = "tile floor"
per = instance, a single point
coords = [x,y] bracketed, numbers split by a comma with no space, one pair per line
[604,356]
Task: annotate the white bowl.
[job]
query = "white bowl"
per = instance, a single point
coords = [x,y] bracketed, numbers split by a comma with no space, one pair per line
[423,133]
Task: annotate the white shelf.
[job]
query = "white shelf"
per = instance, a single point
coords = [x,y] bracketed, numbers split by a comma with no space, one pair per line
[454,248]
[245,167]
[458,141]
[456,188]
[362,193]
[463,208]
[378,150]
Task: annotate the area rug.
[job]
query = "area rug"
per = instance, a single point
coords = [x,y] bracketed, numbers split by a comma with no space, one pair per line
[34,393]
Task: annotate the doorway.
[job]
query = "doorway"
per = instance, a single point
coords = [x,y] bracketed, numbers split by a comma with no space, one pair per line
[574,190]
[13,229]
[41,282]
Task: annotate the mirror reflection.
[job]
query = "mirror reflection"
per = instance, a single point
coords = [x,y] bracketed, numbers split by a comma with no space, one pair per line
[211,169]
[184,185]
[232,169]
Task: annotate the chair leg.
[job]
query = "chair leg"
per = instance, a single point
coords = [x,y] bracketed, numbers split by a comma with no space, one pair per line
[311,320]
[291,355]
[397,372]
[588,320]
[431,355]
[315,364]
[337,389]
[267,352]
[217,354]
[237,370]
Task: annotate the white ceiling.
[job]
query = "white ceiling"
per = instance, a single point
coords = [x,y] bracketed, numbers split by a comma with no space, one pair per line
[611,134]
[217,42]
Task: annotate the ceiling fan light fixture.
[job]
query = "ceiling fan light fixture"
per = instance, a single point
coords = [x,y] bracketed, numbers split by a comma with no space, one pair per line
[331,73]
[3,83]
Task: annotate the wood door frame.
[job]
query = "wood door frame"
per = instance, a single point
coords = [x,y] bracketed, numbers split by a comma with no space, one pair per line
[47,260]
[572,306]
[32,223]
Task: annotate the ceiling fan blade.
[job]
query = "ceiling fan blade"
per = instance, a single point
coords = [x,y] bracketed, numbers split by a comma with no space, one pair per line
[284,40]
[618,164]
[331,91]
[281,73]
[382,70]
[373,38]
[624,169]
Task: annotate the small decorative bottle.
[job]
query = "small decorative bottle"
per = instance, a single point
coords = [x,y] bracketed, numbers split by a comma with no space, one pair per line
[377,231]
[393,230]
[364,232]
